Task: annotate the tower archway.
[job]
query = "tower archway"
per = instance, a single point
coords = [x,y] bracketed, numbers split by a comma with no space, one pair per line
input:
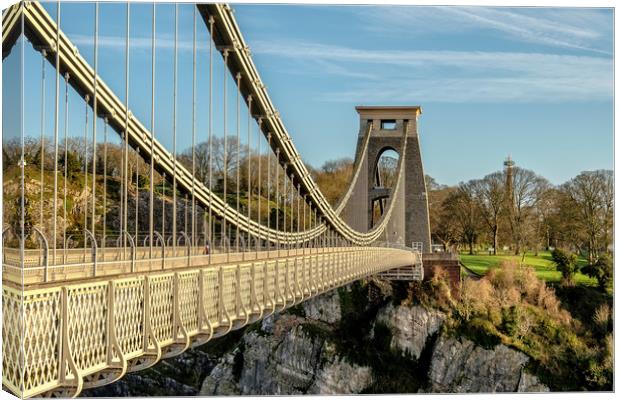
[384,171]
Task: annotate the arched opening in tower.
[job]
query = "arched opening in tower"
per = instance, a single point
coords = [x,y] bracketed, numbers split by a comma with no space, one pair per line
[384,182]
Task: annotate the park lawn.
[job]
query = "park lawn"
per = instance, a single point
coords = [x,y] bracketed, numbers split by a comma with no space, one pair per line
[542,264]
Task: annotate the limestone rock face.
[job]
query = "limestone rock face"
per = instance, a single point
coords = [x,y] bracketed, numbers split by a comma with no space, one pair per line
[299,352]
[410,326]
[293,359]
[340,377]
[460,366]
[325,307]
[221,381]
[530,383]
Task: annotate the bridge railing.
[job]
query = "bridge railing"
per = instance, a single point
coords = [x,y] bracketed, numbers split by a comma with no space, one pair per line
[92,332]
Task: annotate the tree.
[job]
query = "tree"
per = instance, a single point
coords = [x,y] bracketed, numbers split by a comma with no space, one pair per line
[566,263]
[590,201]
[490,194]
[73,163]
[219,158]
[334,178]
[601,270]
[527,188]
[440,227]
[547,218]
[462,216]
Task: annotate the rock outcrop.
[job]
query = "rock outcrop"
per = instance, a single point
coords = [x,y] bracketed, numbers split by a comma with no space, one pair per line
[306,351]
[297,364]
[411,327]
[325,308]
[460,366]
[289,355]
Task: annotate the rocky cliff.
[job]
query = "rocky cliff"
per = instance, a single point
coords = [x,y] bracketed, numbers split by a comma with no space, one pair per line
[338,343]
[285,357]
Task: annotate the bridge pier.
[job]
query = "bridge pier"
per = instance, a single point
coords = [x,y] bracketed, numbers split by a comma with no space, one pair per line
[448,262]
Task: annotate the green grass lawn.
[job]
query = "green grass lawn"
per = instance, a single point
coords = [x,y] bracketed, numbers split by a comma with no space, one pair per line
[542,263]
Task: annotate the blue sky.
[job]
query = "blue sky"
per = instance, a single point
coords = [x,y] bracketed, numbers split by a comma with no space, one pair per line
[536,83]
[533,82]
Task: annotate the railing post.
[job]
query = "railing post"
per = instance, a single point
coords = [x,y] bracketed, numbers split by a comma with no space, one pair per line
[220,289]
[43,241]
[133,252]
[187,245]
[110,322]
[253,298]
[160,239]
[93,243]
[238,291]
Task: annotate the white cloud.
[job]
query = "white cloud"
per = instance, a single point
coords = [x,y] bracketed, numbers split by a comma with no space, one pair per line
[575,28]
[451,76]
[141,43]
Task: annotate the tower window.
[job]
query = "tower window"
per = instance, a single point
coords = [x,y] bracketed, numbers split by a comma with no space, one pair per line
[388,124]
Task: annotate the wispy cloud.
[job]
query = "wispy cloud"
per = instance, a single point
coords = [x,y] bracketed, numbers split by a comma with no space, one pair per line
[450,76]
[582,29]
[139,43]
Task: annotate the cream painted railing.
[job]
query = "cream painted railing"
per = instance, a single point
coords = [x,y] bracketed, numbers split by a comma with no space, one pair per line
[62,338]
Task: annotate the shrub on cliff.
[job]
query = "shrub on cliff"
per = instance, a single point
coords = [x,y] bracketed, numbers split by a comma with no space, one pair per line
[510,305]
[566,263]
[602,270]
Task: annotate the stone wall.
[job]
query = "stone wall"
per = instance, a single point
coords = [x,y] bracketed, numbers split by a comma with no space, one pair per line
[448,262]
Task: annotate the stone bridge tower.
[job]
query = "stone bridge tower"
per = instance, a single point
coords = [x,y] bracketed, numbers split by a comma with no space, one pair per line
[409,221]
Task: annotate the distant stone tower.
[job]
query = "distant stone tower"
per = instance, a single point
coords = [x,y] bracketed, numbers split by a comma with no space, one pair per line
[409,221]
[508,169]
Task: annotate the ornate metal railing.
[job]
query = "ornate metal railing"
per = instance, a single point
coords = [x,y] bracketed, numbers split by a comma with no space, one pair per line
[60,338]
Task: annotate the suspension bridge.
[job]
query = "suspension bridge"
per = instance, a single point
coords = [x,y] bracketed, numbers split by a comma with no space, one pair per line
[126,272]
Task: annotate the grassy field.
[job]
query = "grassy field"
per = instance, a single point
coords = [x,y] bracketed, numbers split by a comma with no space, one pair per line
[542,263]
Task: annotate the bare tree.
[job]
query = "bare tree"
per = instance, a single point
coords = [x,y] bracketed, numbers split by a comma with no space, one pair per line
[591,196]
[527,188]
[440,227]
[490,194]
[461,214]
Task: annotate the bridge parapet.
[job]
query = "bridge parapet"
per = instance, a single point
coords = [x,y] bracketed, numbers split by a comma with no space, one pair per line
[91,332]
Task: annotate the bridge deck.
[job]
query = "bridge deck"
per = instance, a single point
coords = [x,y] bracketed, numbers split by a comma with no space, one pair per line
[79,265]
[90,332]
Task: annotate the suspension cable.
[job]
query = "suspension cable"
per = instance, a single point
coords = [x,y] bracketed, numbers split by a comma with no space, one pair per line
[163,207]
[95,116]
[105,182]
[56,121]
[174,132]
[152,172]
[304,222]
[284,167]
[298,242]
[277,197]
[224,237]
[211,225]
[137,191]
[126,178]
[193,240]
[185,224]
[292,197]
[268,192]
[64,202]
[238,155]
[259,181]
[43,56]
[249,159]
[86,100]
